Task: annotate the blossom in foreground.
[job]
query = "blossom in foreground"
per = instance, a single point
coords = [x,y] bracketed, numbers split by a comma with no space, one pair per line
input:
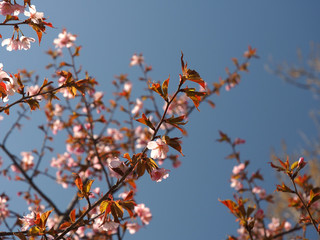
[18,44]
[159,149]
[136,59]
[28,221]
[7,8]
[64,40]
[25,42]
[36,17]
[12,44]
[159,174]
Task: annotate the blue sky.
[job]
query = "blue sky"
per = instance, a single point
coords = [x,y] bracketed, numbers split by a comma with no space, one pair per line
[262,109]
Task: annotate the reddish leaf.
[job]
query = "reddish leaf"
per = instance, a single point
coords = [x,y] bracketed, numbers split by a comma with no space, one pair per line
[65,225]
[165,85]
[174,143]
[33,104]
[72,215]
[144,120]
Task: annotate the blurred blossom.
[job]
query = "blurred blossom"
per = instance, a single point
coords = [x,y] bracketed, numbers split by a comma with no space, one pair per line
[133,227]
[137,107]
[238,169]
[159,174]
[136,60]
[237,185]
[144,213]
[115,134]
[64,40]
[127,87]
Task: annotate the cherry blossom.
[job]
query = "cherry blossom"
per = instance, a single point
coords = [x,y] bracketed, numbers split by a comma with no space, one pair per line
[236,184]
[137,107]
[36,17]
[6,8]
[144,213]
[64,40]
[159,149]
[4,211]
[133,227]
[28,221]
[159,174]
[109,226]
[25,42]
[127,87]
[238,169]
[136,60]
[260,191]
[115,134]
[12,44]
[27,160]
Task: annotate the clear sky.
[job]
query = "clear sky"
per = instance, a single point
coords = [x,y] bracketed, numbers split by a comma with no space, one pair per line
[262,109]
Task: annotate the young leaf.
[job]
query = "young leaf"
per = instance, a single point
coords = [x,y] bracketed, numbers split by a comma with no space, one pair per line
[144,120]
[165,85]
[33,104]
[173,142]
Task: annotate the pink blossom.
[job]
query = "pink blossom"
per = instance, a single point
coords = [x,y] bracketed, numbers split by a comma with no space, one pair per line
[25,42]
[57,126]
[136,60]
[237,185]
[127,87]
[238,169]
[143,136]
[176,163]
[58,110]
[137,107]
[6,8]
[27,160]
[115,133]
[159,174]
[28,221]
[287,226]
[36,17]
[78,131]
[109,226]
[275,223]
[33,90]
[12,44]
[133,227]
[4,207]
[65,40]
[260,191]
[179,106]
[159,149]
[144,213]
